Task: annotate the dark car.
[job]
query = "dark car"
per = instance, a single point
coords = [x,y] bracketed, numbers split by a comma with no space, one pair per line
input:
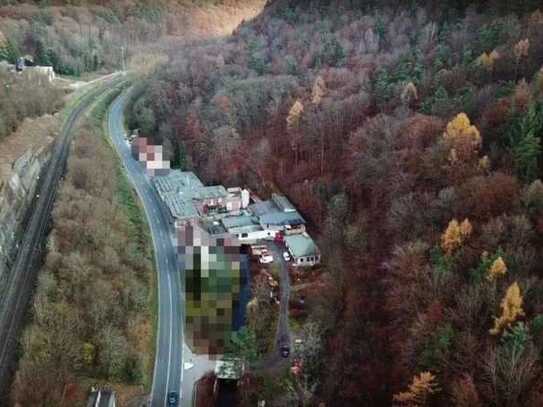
[20,64]
[284,346]
[285,351]
[173,399]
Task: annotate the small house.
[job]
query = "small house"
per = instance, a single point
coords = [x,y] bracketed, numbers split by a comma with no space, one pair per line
[303,250]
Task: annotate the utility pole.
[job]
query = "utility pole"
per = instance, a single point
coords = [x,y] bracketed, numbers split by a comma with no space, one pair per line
[122,60]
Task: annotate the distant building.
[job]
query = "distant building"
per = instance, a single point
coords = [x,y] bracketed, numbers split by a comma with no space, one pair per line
[303,250]
[101,398]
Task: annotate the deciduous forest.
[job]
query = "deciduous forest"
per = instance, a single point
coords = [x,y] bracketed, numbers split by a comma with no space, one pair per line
[81,37]
[410,138]
[91,317]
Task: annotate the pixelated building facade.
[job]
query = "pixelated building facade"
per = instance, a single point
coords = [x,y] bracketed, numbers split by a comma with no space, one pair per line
[212,287]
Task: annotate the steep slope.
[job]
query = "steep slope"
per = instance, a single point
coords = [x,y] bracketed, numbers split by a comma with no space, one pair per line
[387,169]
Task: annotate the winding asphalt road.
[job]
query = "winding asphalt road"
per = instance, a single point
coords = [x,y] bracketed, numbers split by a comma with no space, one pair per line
[168,371]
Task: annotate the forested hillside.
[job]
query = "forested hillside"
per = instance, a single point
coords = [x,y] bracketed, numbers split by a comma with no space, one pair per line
[410,138]
[76,37]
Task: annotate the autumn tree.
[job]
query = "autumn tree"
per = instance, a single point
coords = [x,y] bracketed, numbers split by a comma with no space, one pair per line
[497,269]
[317,93]
[293,125]
[511,306]
[462,138]
[520,51]
[419,391]
[455,235]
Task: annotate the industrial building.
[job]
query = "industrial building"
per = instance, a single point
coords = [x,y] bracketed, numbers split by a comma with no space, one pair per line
[186,198]
[225,212]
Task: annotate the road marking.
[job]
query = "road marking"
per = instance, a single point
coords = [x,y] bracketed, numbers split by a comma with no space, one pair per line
[115,108]
[171,339]
[142,187]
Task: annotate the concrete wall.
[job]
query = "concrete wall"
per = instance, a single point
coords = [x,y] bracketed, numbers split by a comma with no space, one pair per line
[16,195]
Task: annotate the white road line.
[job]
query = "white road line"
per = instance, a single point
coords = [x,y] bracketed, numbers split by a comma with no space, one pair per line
[171,339]
[114,109]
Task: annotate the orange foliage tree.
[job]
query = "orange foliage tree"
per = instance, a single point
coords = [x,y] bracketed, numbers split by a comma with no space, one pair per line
[419,391]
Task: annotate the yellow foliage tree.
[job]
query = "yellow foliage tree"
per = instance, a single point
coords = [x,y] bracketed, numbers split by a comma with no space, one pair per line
[89,352]
[455,235]
[511,306]
[293,122]
[409,93]
[318,91]
[488,60]
[496,270]
[419,391]
[293,118]
[460,130]
[484,163]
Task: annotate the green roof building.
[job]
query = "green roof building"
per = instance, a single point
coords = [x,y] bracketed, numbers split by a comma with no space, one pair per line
[303,250]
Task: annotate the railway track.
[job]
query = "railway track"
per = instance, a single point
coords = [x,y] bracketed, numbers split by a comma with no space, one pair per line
[25,268]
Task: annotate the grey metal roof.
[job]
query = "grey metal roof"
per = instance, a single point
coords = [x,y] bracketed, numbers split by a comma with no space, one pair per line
[282,218]
[283,203]
[180,207]
[261,208]
[178,189]
[176,181]
[245,229]
[215,191]
[238,221]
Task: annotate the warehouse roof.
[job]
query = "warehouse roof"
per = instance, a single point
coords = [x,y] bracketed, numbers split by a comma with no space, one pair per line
[301,245]
[282,218]
[245,229]
[230,222]
[180,207]
[176,181]
[263,207]
[216,191]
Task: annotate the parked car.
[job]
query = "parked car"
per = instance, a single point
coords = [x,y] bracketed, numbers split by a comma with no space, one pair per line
[257,250]
[265,258]
[173,399]
[285,351]
[286,256]
[284,346]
